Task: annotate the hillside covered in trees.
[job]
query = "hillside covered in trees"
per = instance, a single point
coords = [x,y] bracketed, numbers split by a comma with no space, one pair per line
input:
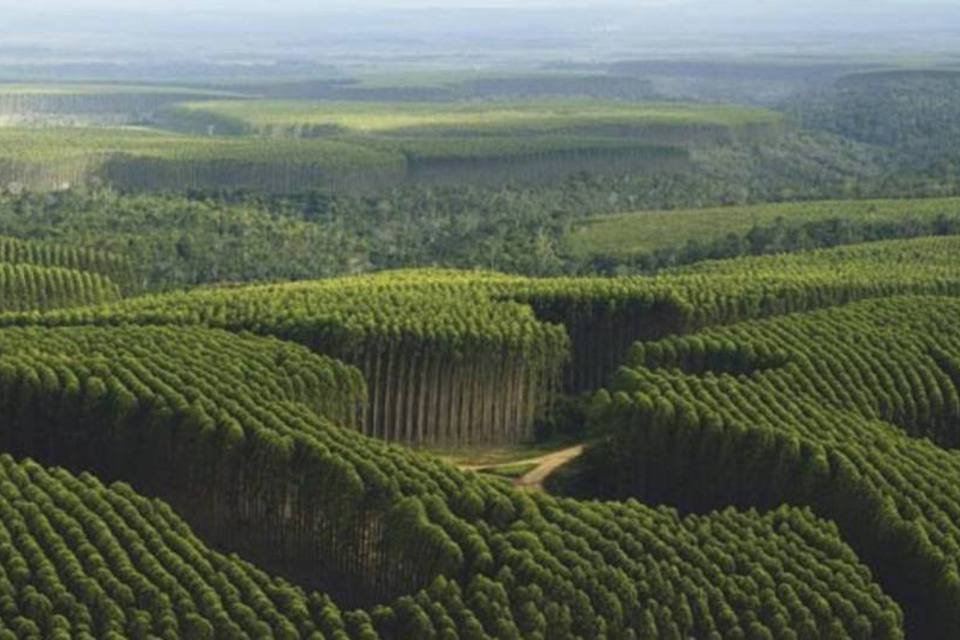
[612,322]
[228,405]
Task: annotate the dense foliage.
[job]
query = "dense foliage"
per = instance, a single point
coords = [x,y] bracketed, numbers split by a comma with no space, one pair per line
[173,241]
[852,411]
[738,154]
[144,159]
[649,240]
[82,560]
[223,427]
[914,111]
[911,114]
[44,254]
[445,362]
[417,143]
[790,422]
[38,276]
[25,287]
[453,358]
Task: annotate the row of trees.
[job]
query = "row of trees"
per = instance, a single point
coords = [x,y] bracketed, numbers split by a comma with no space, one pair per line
[25,287]
[852,411]
[444,363]
[224,428]
[604,316]
[646,162]
[549,119]
[83,560]
[454,358]
[479,162]
[290,166]
[45,254]
[138,160]
[783,236]
[903,381]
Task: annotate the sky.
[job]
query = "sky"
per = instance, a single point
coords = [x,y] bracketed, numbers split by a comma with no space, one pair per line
[301,6]
[298,5]
[314,6]
[690,17]
[581,29]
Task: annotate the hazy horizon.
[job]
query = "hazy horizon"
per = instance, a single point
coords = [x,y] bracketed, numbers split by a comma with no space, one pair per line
[475,34]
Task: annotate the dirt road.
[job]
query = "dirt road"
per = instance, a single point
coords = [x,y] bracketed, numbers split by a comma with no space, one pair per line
[546,465]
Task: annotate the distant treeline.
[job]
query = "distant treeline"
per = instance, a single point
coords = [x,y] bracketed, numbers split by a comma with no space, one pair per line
[915,112]
[616,87]
[203,236]
[783,236]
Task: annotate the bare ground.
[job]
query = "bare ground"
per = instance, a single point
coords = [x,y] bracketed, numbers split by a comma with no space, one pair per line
[546,465]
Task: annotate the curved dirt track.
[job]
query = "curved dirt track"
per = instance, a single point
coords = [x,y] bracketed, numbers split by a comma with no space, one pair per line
[546,465]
